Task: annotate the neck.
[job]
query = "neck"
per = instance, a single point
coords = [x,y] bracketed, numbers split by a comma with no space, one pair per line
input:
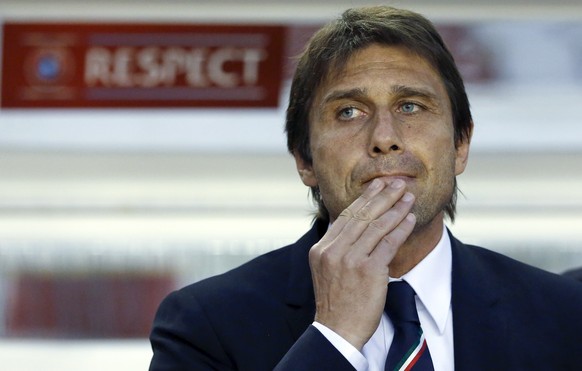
[418,245]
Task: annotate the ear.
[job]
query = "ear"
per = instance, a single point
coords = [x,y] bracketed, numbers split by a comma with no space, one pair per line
[463,153]
[305,171]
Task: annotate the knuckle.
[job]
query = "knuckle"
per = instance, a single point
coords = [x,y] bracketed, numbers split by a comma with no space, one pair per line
[317,253]
[347,213]
[327,256]
[363,214]
[379,225]
[352,264]
[348,262]
[391,240]
[365,196]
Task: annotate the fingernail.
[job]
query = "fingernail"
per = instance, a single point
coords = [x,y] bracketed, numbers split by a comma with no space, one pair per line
[397,183]
[407,197]
[375,184]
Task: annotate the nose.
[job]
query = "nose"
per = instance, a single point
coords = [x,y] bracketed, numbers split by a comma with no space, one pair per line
[385,135]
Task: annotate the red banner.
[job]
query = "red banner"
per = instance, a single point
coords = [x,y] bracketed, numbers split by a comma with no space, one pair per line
[50,65]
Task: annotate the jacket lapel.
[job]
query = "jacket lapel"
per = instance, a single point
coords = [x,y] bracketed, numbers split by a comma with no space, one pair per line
[477,325]
[300,299]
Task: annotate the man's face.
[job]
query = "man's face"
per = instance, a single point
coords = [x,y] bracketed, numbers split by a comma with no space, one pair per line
[387,114]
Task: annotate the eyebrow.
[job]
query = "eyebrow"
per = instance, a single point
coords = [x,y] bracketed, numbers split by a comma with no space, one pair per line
[398,90]
[409,91]
[354,93]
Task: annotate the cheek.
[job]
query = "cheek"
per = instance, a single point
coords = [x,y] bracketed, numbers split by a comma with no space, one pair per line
[329,152]
[438,154]
[333,166]
[329,171]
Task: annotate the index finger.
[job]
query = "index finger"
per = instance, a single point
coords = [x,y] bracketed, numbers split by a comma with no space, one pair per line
[352,222]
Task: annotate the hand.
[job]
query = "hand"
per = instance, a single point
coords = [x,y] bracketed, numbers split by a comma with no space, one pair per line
[350,264]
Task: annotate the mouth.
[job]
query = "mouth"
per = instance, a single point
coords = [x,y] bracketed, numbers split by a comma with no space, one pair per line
[407,178]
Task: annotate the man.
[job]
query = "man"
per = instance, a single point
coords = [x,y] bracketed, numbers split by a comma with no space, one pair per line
[379,125]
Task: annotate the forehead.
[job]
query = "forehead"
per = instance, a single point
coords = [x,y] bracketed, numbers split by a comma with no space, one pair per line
[384,66]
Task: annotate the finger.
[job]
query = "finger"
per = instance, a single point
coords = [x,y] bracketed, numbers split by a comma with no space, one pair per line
[379,228]
[375,187]
[339,238]
[357,220]
[390,243]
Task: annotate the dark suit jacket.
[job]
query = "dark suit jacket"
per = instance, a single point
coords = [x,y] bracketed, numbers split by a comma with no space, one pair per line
[575,273]
[506,316]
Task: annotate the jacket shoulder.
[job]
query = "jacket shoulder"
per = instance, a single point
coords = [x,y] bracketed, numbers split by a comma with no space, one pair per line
[511,272]
[503,304]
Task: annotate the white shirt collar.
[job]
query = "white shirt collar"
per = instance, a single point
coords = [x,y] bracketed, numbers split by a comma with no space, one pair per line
[431,280]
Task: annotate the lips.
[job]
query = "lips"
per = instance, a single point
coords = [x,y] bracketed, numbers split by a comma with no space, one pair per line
[388,176]
[391,176]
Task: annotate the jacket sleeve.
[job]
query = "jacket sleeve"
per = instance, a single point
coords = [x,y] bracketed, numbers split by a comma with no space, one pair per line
[183,339]
[313,351]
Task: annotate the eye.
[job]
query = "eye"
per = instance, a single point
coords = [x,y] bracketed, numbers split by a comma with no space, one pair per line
[349,113]
[409,107]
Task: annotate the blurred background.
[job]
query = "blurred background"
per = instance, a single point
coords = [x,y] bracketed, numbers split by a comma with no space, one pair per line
[142,148]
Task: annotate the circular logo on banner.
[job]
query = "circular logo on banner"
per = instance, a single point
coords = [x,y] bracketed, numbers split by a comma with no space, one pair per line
[49,67]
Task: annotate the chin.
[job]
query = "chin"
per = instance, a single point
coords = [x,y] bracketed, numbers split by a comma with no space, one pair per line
[426,220]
